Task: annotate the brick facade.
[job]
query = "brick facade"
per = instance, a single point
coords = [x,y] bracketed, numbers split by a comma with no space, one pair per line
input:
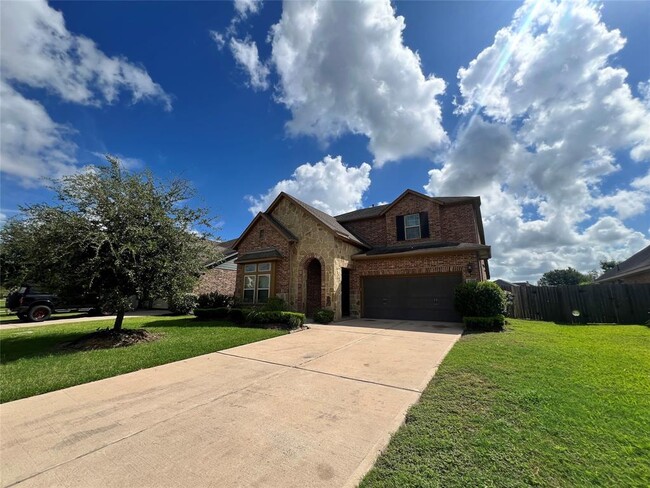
[459,224]
[318,243]
[217,280]
[448,223]
[411,204]
[372,231]
[264,235]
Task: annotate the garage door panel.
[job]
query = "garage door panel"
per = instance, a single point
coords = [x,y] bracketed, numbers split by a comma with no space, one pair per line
[411,298]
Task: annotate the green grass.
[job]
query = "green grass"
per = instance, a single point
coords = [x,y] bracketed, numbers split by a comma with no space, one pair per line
[30,363]
[539,405]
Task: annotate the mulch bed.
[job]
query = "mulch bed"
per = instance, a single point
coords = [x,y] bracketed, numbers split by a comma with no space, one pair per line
[108,339]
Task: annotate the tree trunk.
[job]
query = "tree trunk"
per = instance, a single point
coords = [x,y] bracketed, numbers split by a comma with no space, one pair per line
[117,326]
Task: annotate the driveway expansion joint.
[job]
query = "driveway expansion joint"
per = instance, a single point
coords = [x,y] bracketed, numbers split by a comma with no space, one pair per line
[298,367]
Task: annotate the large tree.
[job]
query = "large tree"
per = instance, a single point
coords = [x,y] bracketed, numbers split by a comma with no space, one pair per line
[569,276]
[114,234]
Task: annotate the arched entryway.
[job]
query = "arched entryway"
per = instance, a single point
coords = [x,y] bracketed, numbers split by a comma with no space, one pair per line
[314,280]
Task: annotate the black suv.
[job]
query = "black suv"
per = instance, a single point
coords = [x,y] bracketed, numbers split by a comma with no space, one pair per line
[35,305]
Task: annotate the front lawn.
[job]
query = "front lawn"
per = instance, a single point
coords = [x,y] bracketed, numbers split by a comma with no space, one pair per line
[30,362]
[538,405]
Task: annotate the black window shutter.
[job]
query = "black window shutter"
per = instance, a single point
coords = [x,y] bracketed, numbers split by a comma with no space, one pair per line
[399,222]
[424,225]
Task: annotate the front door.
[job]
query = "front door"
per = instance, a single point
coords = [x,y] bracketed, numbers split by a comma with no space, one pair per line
[345,292]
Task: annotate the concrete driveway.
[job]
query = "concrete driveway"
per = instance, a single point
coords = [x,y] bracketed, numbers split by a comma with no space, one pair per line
[309,409]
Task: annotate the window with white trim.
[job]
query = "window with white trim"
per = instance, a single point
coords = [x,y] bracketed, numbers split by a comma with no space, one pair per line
[257,282]
[412,226]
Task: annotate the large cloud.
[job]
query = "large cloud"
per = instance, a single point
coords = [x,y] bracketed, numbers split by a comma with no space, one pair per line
[33,145]
[343,68]
[38,51]
[329,185]
[547,116]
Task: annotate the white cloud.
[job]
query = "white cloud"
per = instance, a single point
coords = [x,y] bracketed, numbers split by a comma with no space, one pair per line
[547,116]
[218,38]
[328,185]
[39,51]
[245,7]
[247,57]
[644,91]
[344,68]
[32,145]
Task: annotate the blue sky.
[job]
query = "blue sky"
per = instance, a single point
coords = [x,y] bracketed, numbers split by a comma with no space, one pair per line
[346,105]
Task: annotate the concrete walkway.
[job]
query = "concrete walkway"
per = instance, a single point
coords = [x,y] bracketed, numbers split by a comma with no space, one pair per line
[311,409]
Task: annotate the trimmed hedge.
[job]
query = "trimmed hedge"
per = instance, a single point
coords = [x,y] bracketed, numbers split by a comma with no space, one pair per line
[479,299]
[212,313]
[494,324]
[323,316]
[289,320]
[292,320]
[214,300]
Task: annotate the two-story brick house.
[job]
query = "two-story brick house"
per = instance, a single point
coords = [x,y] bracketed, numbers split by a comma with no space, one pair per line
[400,260]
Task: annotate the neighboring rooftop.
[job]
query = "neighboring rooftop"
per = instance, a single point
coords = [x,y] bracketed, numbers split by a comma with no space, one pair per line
[636,263]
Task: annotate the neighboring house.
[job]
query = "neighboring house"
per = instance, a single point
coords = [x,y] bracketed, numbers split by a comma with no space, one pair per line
[505,285]
[400,260]
[220,276]
[508,286]
[635,269]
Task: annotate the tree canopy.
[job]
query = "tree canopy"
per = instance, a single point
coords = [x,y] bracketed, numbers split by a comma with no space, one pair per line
[568,276]
[607,265]
[113,233]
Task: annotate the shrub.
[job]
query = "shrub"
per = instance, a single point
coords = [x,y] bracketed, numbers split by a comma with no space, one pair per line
[479,299]
[182,304]
[323,316]
[215,300]
[212,313]
[237,315]
[274,304]
[289,320]
[495,323]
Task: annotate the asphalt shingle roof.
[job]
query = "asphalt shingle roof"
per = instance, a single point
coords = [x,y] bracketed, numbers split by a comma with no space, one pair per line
[636,261]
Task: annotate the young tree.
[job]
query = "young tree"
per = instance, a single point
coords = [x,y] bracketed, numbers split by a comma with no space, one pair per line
[114,234]
[569,276]
[607,265]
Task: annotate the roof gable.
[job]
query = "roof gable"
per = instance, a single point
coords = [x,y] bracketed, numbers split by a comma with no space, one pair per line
[286,233]
[327,220]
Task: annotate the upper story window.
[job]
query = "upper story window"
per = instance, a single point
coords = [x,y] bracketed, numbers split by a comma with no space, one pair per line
[412,226]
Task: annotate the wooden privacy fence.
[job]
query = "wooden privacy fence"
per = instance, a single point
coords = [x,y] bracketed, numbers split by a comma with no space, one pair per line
[606,303]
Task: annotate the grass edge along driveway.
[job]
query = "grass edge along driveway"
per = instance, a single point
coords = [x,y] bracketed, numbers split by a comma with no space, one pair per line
[539,405]
[30,364]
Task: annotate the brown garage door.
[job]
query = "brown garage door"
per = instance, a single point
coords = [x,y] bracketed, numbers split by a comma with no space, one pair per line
[411,298]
